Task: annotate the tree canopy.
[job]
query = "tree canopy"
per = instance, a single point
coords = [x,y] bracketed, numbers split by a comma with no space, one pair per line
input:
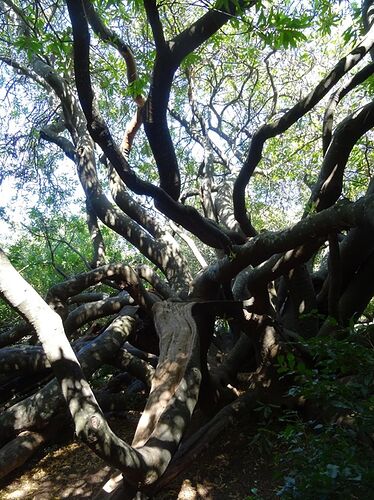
[196,183]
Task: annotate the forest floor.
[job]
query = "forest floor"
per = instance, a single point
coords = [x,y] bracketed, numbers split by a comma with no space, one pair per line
[234,467]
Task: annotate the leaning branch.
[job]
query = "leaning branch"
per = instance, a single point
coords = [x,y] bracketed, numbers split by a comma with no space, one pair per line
[67,146]
[90,423]
[342,215]
[109,36]
[329,184]
[286,121]
[168,58]
[336,97]
[188,217]
[176,382]
[201,30]
[154,20]
[25,71]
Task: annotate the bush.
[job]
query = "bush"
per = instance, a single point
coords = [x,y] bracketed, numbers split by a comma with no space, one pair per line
[330,457]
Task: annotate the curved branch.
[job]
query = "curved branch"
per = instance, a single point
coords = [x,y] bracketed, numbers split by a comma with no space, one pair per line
[107,212]
[176,382]
[289,118]
[188,217]
[136,366]
[368,18]
[342,215]
[224,208]
[169,57]
[136,211]
[329,185]
[94,310]
[147,273]
[26,414]
[336,97]
[111,37]
[67,147]
[89,420]
[124,275]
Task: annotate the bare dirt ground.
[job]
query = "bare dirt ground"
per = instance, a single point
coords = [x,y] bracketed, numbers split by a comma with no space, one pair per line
[232,468]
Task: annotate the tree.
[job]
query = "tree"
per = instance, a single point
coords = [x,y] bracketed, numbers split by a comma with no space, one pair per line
[208,101]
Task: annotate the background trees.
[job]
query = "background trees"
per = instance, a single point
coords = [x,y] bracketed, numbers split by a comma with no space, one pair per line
[227,146]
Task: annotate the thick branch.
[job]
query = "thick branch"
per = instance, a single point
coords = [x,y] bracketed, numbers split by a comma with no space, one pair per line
[147,273]
[26,359]
[136,366]
[336,97]
[122,274]
[289,118]
[329,185]
[155,23]
[98,245]
[27,413]
[334,276]
[188,217]
[358,293]
[341,216]
[368,18]
[94,310]
[202,29]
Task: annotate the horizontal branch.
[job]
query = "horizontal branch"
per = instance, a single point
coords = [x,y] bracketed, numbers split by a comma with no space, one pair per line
[122,274]
[25,359]
[342,215]
[94,310]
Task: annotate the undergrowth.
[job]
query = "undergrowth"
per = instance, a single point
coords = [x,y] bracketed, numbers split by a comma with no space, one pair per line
[330,456]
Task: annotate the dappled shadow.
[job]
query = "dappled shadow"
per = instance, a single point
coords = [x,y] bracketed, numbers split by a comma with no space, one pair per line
[72,471]
[229,469]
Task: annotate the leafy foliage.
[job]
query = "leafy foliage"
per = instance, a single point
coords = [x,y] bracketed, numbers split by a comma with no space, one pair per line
[48,248]
[330,458]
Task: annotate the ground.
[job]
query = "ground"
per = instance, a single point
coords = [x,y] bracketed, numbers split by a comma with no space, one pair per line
[234,467]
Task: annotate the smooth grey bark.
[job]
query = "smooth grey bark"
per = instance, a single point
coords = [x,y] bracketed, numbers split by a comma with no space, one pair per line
[94,310]
[263,246]
[36,410]
[176,381]
[98,245]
